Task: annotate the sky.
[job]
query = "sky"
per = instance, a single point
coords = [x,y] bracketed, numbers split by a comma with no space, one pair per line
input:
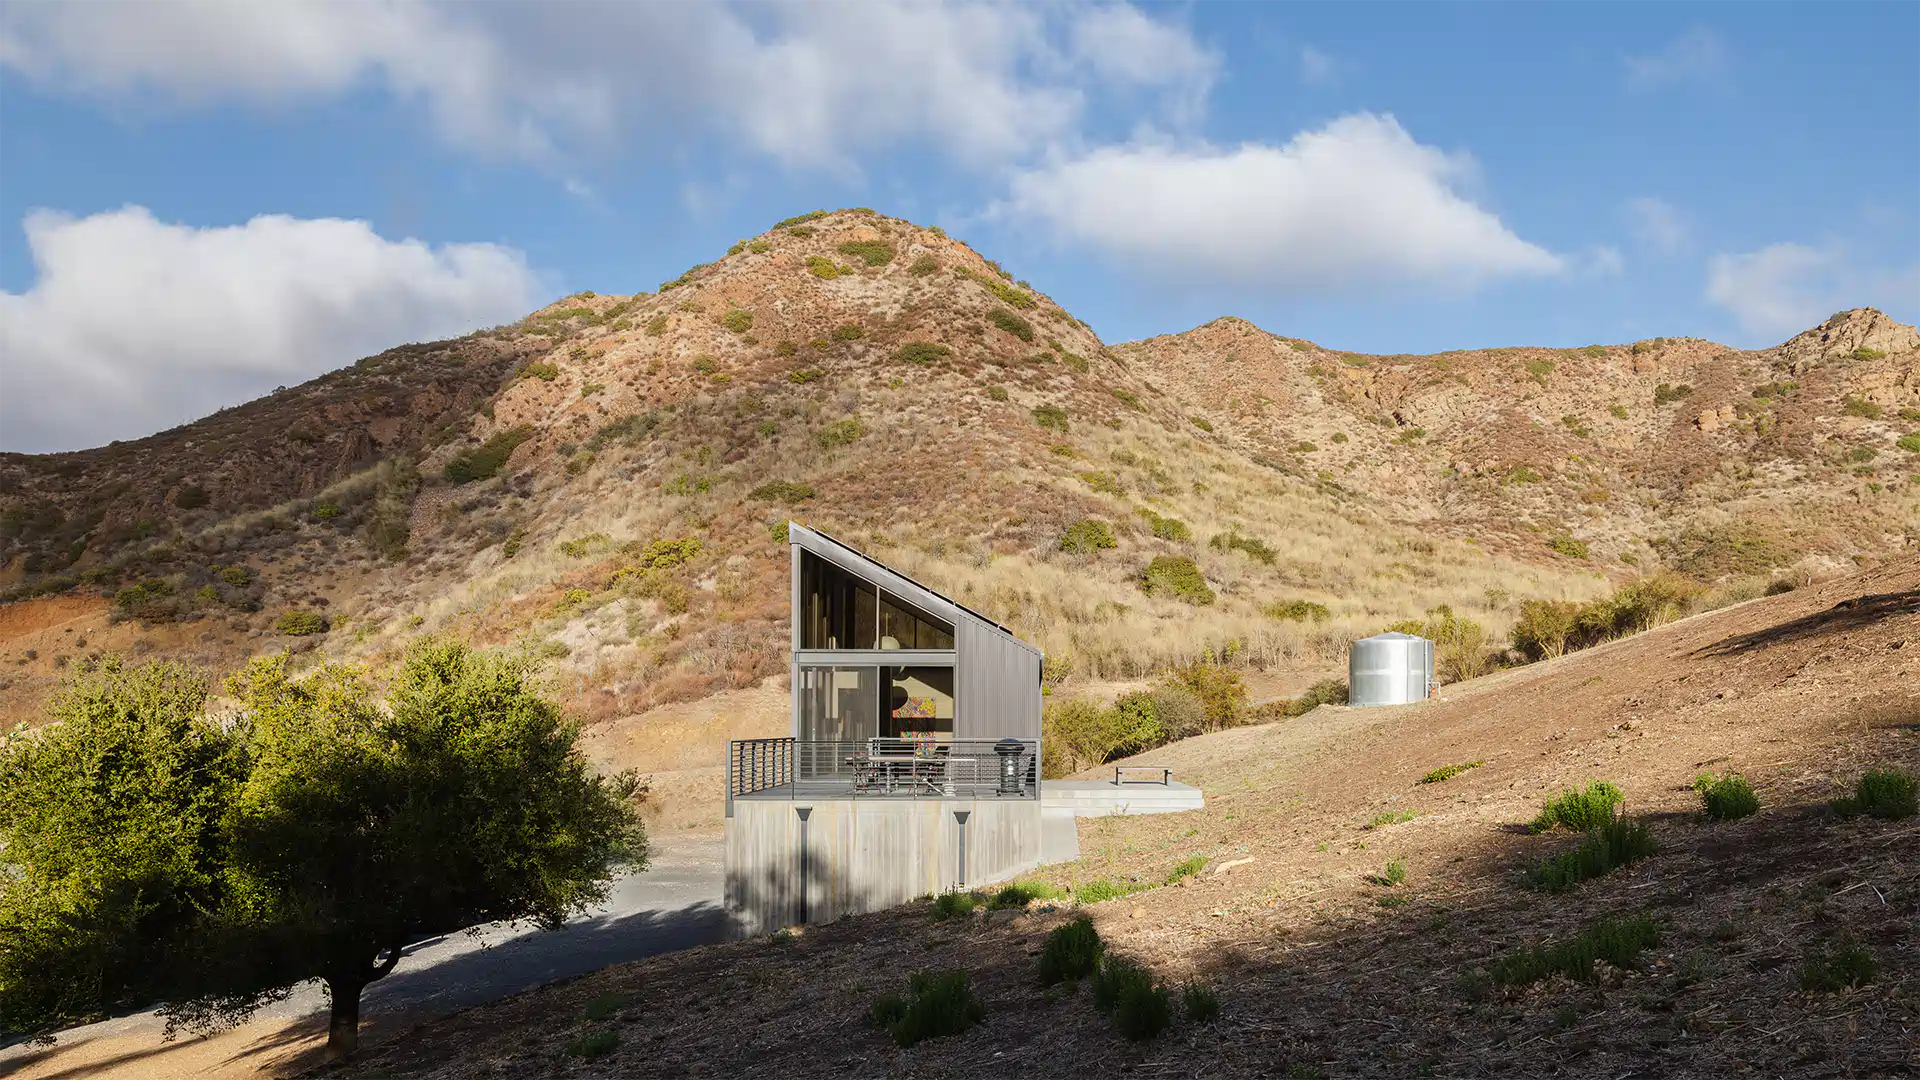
[200,201]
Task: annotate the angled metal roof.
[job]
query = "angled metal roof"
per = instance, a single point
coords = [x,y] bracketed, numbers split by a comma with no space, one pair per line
[865,566]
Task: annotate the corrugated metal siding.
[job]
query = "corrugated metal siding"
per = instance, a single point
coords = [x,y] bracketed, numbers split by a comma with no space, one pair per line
[998,691]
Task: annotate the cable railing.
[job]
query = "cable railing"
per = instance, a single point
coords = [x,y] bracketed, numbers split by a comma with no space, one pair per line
[904,768]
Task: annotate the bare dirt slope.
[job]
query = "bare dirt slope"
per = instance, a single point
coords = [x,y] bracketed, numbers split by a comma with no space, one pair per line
[1326,974]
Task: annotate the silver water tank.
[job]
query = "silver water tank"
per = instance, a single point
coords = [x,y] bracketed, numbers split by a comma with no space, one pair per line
[1389,669]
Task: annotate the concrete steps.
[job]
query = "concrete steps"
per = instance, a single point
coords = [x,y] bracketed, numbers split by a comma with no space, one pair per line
[1101,798]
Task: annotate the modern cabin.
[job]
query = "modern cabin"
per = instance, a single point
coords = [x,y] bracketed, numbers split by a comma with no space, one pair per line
[913,766]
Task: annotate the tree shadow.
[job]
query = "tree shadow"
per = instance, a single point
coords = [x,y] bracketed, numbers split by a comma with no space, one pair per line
[1852,614]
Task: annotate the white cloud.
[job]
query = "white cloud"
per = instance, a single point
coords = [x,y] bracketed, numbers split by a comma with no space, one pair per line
[1782,289]
[1697,56]
[134,325]
[1316,67]
[1357,202]
[1604,261]
[1657,226]
[809,84]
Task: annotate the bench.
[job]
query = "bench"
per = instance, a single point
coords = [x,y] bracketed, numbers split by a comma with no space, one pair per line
[1166,775]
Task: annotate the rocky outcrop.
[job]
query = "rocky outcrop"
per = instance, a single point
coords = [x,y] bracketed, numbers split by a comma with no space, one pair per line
[1847,334]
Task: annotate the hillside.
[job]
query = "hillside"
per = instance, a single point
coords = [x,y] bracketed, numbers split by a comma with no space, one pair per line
[604,482]
[1321,971]
[1670,451]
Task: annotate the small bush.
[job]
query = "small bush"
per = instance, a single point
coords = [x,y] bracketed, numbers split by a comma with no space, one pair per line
[1909,443]
[1666,394]
[1101,890]
[1390,817]
[840,433]
[1618,941]
[1201,422]
[800,219]
[786,491]
[1881,793]
[1006,294]
[1866,353]
[1297,611]
[1568,546]
[604,1007]
[1843,969]
[1130,399]
[1051,417]
[191,497]
[921,352]
[596,1044]
[1252,546]
[940,1004]
[887,1010]
[1219,688]
[1143,1011]
[1324,692]
[1522,474]
[1606,848]
[1179,711]
[1011,323]
[852,331]
[1186,868]
[1176,577]
[1166,528]
[871,252]
[1618,410]
[1021,893]
[1581,810]
[738,320]
[1728,797]
[485,461]
[924,265]
[1199,1003]
[760,247]
[805,376]
[1070,952]
[1086,536]
[656,326]
[997,393]
[1393,874]
[1861,407]
[540,369]
[1448,772]
[953,905]
[301,623]
[822,267]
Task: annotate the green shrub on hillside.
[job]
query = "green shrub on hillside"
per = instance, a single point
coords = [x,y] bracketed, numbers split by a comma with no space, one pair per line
[921,352]
[840,433]
[1011,323]
[300,623]
[1843,969]
[1201,422]
[1219,689]
[805,376]
[924,265]
[852,331]
[1539,368]
[1881,793]
[1728,797]
[822,267]
[1324,692]
[1006,294]
[1618,941]
[1568,546]
[1666,394]
[1866,353]
[1861,407]
[939,1004]
[1607,847]
[1071,951]
[737,320]
[1448,772]
[540,369]
[1909,443]
[1141,1008]
[656,326]
[1166,528]
[1051,417]
[1462,648]
[786,491]
[1297,611]
[486,460]
[1581,810]
[1130,399]
[871,252]
[191,497]
[1087,536]
[1078,733]
[1176,577]
[800,219]
[1252,546]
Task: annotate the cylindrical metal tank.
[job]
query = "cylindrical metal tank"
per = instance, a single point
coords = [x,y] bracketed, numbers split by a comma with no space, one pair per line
[1389,669]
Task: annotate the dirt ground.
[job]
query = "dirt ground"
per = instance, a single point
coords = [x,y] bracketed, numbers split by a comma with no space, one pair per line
[1321,971]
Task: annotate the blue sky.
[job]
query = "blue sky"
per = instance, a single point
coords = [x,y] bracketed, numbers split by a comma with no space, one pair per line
[199,202]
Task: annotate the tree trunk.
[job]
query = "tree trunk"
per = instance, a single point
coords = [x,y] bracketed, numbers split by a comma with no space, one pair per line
[343,1027]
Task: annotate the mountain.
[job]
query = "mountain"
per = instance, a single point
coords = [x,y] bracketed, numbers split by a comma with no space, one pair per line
[606,480]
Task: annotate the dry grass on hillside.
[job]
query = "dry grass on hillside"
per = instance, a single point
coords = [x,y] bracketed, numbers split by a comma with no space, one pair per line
[1322,972]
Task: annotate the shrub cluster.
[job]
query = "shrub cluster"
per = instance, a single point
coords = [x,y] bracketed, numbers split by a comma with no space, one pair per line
[1842,969]
[540,369]
[938,1004]
[1324,692]
[852,331]
[1072,951]
[1727,797]
[1005,293]
[1124,991]
[1605,848]
[486,460]
[786,491]
[1618,941]
[1252,546]
[871,252]
[1581,810]
[1086,536]
[921,352]
[301,623]
[1549,628]
[1051,417]
[1881,793]
[924,265]
[1666,394]
[1297,610]
[1166,528]
[1462,648]
[1448,772]
[840,433]
[738,320]
[1176,577]
[1011,323]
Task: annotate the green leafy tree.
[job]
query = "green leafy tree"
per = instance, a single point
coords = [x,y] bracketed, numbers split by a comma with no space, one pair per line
[338,832]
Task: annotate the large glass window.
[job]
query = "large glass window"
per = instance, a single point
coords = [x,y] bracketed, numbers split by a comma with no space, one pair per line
[839,704]
[839,610]
[836,608]
[919,701]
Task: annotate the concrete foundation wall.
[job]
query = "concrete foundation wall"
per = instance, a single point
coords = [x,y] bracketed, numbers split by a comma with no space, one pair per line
[866,854]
